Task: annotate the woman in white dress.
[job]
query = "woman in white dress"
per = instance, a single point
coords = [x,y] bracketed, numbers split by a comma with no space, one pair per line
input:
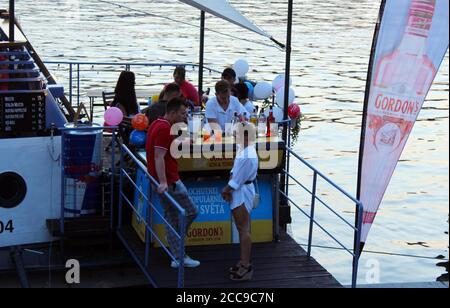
[240,193]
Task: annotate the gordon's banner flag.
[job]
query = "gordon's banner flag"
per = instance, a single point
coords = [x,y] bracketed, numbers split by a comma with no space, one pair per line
[410,43]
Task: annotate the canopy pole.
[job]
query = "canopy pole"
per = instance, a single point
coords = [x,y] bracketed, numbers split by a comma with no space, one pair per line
[288,67]
[11,20]
[202,55]
[286,95]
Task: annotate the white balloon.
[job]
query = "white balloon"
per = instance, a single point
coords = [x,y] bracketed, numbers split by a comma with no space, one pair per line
[277,113]
[279,82]
[262,90]
[280,96]
[241,68]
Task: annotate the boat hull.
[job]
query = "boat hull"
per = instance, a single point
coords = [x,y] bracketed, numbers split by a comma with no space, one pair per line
[30,167]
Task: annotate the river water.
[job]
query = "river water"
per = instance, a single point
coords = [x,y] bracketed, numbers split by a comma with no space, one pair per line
[331,48]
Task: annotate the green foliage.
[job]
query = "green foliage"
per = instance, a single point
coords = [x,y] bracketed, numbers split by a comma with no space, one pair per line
[295,130]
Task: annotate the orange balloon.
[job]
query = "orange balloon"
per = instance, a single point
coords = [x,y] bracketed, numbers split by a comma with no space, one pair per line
[139,122]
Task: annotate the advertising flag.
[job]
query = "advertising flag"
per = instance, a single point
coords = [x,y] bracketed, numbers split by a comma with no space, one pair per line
[410,43]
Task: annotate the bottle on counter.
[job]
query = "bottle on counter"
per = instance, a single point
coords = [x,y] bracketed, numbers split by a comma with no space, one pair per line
[254,117]
[270,124]
[262,124]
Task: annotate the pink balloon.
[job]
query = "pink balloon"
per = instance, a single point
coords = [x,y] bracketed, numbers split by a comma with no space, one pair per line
[113,116]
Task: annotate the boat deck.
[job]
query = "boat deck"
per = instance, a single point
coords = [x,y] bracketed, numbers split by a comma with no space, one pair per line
[276,265]
[283,264]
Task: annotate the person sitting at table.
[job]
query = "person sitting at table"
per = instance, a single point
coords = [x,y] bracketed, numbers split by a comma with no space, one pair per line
[125,94]
[158,109]
[240,194]
[229,75]
[187,88]
[242,96]
[125,100]
[221,108]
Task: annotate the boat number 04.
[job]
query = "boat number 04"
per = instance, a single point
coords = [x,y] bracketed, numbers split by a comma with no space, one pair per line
[6,227]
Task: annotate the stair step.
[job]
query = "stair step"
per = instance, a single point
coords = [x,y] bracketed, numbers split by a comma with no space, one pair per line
[80,226]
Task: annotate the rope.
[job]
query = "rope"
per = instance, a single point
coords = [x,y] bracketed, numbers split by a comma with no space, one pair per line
[381,253]
[189,24]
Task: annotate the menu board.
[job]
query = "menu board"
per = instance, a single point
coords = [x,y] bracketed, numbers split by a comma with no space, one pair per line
[22,114]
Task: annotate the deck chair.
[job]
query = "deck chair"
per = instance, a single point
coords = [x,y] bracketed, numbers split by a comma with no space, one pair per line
[108,98]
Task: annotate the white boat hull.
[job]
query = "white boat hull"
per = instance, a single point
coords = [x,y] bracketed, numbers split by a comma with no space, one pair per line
[36,161]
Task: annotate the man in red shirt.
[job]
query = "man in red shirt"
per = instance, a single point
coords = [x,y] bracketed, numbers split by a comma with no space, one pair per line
[188,90]
[164,168]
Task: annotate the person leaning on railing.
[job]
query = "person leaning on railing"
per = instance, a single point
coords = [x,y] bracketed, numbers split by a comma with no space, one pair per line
[164,168]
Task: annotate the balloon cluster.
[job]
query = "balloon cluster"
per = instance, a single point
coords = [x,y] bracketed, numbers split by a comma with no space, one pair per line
[138,137]
[263,90]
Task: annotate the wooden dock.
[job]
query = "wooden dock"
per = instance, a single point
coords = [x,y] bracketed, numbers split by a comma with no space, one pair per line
[276,265]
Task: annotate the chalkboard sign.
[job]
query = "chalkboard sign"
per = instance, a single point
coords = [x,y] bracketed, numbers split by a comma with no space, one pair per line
[22,114]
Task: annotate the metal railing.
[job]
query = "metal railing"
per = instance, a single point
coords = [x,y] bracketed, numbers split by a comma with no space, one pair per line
[75,68]
[355,252]
[150,234]
[356,227]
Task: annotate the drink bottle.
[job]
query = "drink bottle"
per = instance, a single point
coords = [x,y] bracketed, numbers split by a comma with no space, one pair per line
[254,118]
[270,123]
[262,124]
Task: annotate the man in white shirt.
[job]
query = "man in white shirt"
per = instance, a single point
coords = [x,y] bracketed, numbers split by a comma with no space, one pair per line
[221,109]
[240,193]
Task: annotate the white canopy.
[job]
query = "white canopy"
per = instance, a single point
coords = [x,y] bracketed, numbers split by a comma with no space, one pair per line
[224,10]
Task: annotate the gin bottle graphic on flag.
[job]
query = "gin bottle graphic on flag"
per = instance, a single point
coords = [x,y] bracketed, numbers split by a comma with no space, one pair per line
[400,82]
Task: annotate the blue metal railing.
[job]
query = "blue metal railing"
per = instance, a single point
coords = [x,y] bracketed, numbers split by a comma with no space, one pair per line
[150,234]
[76,66]
[355,252]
